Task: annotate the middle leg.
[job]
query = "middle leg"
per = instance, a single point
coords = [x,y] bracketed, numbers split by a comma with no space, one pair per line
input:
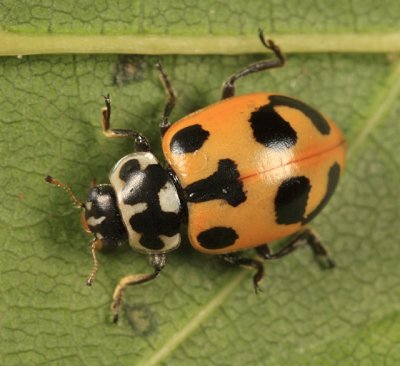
[247,262]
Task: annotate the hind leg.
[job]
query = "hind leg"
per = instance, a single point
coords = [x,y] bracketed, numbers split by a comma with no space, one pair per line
[228,88]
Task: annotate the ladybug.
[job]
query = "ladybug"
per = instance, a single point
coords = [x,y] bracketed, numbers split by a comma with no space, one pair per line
[241,173]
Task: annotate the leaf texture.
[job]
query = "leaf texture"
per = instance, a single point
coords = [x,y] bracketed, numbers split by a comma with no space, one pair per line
[200,311]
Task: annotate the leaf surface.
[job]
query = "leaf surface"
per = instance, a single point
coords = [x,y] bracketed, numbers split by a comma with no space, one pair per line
[200,311]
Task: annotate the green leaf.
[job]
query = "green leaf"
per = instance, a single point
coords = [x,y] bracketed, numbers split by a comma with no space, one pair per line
[200,311]
[193,27]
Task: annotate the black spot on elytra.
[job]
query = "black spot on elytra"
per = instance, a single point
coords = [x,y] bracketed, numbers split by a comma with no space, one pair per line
[316,118]
[333,179]
[217,237]
[224,184]
[271,130]
[291,200]
[188,139]
[103,203]
[143,186]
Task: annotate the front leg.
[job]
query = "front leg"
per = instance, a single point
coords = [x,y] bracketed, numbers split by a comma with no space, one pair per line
[158,263]
[140,141]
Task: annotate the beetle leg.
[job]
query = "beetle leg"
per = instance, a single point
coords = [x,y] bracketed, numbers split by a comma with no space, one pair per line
[319,251]
[306,237]
[170,104]
[228,88]
[140,141]
[158,263]
[248,262]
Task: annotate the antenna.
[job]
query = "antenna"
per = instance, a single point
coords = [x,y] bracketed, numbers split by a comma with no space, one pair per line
[76,202]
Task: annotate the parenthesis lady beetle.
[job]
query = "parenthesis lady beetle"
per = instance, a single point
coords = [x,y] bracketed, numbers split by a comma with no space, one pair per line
[241,173]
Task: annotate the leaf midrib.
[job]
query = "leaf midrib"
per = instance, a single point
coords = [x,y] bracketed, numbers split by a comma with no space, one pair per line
[16,44]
